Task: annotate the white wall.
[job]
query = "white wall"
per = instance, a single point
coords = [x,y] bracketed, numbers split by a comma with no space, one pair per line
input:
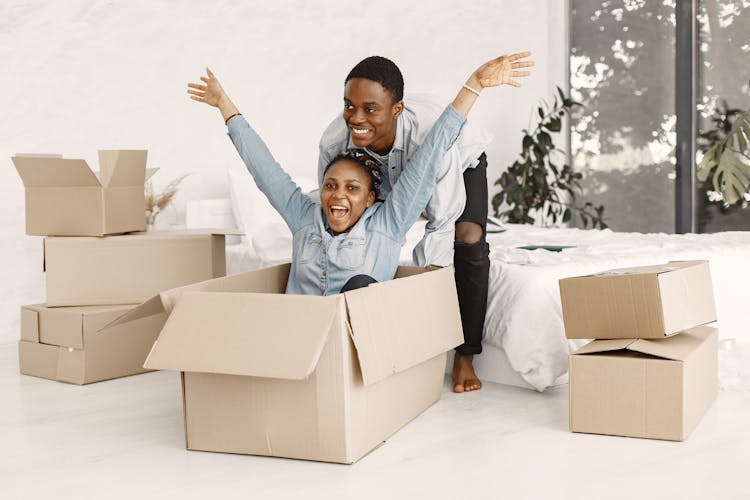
[82,74]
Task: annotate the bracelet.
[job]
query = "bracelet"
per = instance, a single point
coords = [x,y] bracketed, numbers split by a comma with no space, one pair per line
[226,122]
[472,90]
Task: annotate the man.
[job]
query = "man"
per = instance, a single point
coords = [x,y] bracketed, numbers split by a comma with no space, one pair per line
[390,128]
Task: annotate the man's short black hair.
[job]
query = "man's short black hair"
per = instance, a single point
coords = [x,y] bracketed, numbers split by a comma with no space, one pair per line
[381,70]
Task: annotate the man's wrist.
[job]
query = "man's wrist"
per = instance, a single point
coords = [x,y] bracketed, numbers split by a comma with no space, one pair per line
[474,82]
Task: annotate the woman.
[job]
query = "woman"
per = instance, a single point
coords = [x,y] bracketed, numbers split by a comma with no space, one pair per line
[350,233]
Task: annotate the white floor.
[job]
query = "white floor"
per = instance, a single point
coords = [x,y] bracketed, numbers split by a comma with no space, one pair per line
[124,439]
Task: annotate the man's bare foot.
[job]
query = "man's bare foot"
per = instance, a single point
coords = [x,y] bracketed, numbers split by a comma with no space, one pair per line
[464,378]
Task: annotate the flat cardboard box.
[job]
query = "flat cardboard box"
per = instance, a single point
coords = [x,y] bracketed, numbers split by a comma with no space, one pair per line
[127,269]
[656,389]
[64,197]
[63,343]
[299,376]
[638,302]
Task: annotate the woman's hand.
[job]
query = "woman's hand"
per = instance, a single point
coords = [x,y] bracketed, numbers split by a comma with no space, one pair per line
[501,71]
[212,94]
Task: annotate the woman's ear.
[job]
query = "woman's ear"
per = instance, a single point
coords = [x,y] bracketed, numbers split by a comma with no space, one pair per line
[370,198]
[398,108]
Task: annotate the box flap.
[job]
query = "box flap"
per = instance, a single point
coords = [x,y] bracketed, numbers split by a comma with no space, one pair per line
[122,167]
[252,334]
[400,323]
[268,280]
[53,171]
[598,346]
[678,347]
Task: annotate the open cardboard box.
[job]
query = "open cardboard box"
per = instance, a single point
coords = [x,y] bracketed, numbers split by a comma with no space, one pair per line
[62,343]
[638,302]
[64,197]
[656,389]
[126,269]
[307,377]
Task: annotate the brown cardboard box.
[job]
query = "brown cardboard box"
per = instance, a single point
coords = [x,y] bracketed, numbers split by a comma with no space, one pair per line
[127,269]
[63,344]
[638,302]
[656,389]
[65,198]
[318,378]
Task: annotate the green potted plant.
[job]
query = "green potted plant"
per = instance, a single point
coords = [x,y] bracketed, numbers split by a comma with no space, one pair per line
[725,167]
[534,187]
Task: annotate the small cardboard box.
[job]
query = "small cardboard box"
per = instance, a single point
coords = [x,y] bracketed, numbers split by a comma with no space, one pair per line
[127,269]
[65,198]
[655,389]
[638,302]
[299,376]
[63,344]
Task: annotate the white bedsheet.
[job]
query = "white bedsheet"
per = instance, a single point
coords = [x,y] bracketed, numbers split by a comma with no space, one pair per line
[524,316]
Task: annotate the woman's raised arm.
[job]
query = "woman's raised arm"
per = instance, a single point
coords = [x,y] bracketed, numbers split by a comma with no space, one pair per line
[416,184]
[285,196]
[213,94]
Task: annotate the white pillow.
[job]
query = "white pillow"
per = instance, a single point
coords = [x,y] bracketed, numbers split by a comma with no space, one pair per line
[252,210]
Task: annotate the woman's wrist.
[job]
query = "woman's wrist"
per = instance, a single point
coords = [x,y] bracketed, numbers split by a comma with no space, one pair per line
[227,108]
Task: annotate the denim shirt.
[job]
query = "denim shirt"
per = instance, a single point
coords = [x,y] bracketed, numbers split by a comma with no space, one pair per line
[321,262]
[449,195]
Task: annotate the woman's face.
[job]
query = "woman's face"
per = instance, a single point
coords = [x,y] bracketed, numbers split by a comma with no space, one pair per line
[345,195]
[370,114]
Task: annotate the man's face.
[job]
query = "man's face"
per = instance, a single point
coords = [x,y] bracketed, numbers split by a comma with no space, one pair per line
[345,195]
[370,114]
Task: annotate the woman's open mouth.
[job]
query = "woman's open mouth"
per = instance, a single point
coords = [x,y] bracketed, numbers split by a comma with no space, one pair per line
[338,212]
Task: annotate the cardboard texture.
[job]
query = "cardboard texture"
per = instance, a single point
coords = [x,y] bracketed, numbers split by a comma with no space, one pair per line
[307,377]
[639,302]
[65,198]
[126,269]
[656,389]
[64,343]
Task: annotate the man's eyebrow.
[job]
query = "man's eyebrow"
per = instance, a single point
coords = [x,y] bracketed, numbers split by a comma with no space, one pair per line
[368,103]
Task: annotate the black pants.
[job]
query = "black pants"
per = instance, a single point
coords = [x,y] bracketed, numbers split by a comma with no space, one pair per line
[358,281]
[472,261]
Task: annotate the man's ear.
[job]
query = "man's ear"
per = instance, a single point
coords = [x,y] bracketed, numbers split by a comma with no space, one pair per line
[398,108]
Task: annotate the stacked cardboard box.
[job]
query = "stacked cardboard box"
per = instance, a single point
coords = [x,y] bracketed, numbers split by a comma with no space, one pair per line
[652,370]
[96,273]
[299,376]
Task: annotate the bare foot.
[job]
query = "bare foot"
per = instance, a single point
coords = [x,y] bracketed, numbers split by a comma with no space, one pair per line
[464,378]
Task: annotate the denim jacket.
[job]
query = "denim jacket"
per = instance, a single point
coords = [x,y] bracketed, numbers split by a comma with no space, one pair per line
[321,262]
[449,195]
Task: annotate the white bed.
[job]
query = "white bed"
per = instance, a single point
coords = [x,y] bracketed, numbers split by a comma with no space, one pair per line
[524,316]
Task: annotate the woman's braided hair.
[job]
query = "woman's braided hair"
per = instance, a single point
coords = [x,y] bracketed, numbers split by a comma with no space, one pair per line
[364,160]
